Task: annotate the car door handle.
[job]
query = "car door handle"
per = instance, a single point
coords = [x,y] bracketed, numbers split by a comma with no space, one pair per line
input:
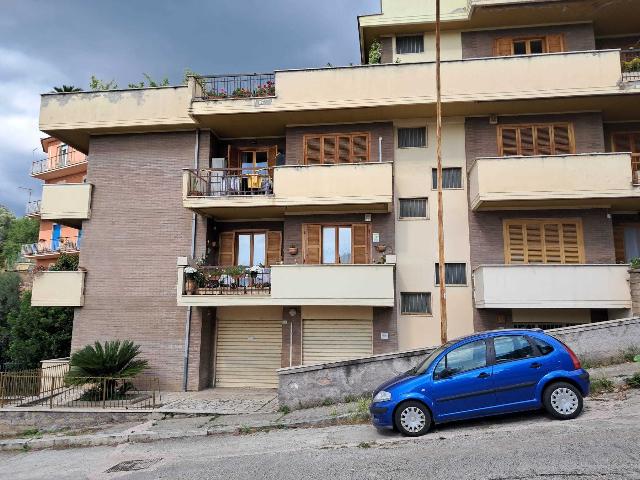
[484,375]
[536,365]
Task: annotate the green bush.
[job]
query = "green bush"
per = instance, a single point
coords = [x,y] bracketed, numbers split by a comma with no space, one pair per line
[634,380]
[114,359]
[602,385]
[632,65]
[66,262]
[375,52]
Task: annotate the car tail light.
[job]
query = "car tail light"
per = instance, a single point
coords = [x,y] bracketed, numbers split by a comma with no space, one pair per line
[574,358]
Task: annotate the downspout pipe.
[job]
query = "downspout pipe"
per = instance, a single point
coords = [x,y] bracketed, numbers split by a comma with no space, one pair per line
[187,324]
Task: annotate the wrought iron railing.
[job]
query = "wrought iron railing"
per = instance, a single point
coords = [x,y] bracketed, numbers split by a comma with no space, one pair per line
[54,162]
[33,208]
[630,65]
[222,182]
[40,388]
[234,280]
[635,168]
[254,85]
[62,245]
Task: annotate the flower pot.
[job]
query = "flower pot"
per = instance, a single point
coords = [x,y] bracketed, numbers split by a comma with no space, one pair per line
[190,286]
[293,251]
[381,247]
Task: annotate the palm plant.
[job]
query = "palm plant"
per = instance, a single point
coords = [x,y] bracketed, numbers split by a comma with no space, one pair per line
[66,89]
[116,359]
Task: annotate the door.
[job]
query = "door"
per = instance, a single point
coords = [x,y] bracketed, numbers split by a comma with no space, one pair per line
[248,353]
[334,340]
[462,383]
[517,370]
[55,237]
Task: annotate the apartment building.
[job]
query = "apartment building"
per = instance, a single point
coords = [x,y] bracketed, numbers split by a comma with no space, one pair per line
[244,223]
[61,165]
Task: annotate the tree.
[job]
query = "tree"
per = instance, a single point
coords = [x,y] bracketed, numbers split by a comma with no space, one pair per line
[38,333]
[96,84]
[66,88]
[20,231]
[9,300]
[6,217]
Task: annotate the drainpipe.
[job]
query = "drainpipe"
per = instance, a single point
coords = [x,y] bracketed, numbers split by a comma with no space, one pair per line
[380,149]
[187,325]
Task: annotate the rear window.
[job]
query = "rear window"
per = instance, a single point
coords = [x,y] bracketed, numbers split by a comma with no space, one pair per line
[543,346]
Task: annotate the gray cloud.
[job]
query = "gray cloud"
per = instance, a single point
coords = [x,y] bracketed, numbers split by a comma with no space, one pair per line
[48,43]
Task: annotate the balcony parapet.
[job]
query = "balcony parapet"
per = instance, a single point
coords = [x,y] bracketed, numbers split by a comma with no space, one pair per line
[58,289]
[65,163]
[52,248]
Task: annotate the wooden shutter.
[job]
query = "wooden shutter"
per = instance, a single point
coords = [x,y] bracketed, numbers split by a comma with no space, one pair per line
[527,141]
[360,148]
[312,153]
[344,149]
[311,235]
[555,43]
[552,243]
[329,150]
[508,140]
[534,242]
[543,241]
[543,140]
[360,243]
[274,247]
[514,243]
[618,243]
[227,247]
[233,157]
[503,47]
[572,243]
[271,158]
[563,139]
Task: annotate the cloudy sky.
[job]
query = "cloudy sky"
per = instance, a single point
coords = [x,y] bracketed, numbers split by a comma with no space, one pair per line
[45,43]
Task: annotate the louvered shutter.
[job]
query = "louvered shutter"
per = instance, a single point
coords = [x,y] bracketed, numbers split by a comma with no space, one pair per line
[515,239]
[543,241]
[360,148]
[311,244]
[344,149]
[273,153]
[527,146]
[329,150]
[509,141]
[503,47]
[555,43]
[534,243]
[621,142]
[552,244]
[274,247]
[227,246]
[571,243]
[543,140]
[360,243]
[562,139]
[312,150]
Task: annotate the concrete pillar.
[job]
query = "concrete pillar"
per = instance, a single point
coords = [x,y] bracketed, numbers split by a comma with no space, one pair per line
[634,286]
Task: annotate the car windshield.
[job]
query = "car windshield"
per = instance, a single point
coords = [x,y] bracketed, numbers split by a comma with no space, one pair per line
[422,367]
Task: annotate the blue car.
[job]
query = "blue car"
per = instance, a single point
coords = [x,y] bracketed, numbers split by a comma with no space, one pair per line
[488,373]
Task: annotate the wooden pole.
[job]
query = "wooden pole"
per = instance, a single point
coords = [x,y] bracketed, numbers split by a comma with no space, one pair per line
[441,258]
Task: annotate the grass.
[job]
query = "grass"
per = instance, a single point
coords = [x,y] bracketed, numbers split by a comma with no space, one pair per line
[364,445]
[31,433]
[284,409]
[624,355]
[602,385]
[244,430]
[634,380]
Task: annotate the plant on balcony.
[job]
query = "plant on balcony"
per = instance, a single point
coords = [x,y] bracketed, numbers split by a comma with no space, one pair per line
[66,262]
[266,90]
[235,272]
[635,263]
[217,94]
[375,52]
[632,65]
[192,275]
[241,92]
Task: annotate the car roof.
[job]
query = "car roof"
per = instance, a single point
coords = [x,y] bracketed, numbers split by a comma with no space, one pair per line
[493,333]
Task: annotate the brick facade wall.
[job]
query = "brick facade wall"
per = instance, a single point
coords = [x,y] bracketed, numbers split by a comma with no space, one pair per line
[578,37]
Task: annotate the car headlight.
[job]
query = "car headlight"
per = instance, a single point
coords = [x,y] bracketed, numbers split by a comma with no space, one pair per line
[382,396]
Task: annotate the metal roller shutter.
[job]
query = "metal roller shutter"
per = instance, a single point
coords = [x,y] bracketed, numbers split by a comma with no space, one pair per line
[334,340]
[248,353]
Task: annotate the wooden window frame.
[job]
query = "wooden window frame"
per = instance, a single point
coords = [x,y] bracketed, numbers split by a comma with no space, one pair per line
[336,136]
[336,242]
[541,221]
[535,126]
[236,246]
[528,40]
[337,226]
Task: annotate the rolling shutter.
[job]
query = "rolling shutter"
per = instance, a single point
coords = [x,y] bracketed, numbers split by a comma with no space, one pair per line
[227,246]
[311,244]
[543,241]
[555,43]
[274,247]
[360,243]
[248,353]
[502,47]
[334,340]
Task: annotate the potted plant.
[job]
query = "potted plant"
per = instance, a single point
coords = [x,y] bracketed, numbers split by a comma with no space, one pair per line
[293,250]
[235,272]
[381,247]
[190,283]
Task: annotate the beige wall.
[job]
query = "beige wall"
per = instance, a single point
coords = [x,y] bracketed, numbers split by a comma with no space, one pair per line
[58,289]
[451,49]
[66,201]
[417,240]
[547,315]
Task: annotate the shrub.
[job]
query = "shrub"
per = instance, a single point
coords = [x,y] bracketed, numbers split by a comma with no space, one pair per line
[66,262]
[375,52]
[116,359]
[602,385]
[634,380]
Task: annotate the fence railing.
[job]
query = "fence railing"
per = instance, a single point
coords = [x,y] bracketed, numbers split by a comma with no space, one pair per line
[635,168]
[43,248]
[223,182]
[235,280]
[630,65]
[33,208]
[39,389]
[254,85]
[54,162]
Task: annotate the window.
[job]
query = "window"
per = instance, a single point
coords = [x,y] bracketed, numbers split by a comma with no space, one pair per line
[63,155]
[454,274]
[250,248]
[332,244]
[508,46]
[528,140]
[629,142]
[512,347]
[415,303]
[543,347]
[451,178]
[253,161]
[336,148]
[410,44]
[626,240]
[412,137]
[413,208]
[467,357]
[336,244]
[543,241]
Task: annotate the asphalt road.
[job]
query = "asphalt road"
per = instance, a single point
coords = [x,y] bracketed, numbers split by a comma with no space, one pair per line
[603,443]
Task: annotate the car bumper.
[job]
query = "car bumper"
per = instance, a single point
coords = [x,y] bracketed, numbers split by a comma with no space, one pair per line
[382,414]
[584,381]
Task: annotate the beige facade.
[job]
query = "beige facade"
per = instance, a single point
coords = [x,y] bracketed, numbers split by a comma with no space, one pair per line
[58,289]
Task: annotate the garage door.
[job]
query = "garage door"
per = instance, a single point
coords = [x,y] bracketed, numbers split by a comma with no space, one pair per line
[333,340]
[248,353]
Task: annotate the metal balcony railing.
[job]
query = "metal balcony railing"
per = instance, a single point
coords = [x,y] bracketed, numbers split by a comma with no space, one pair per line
[44,248]
[630,65]
[33,208]
[223,182]
[230,280]
[254,85]
[55,162]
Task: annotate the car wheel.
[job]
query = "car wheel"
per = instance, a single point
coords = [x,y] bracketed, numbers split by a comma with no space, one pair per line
[412,419]
[562,400]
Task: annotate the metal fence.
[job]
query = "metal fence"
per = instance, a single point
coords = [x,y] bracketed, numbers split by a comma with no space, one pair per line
[54,162]
[630,65]
[62,245]
[39,389]
[33,208]
[223,182]
[235,280]
[254,85]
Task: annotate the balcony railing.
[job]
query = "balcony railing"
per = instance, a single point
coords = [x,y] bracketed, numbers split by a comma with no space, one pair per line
[33,208]
[234,280]
[630,65]
[55,162]
[53,247]
[222,182]
[256,85]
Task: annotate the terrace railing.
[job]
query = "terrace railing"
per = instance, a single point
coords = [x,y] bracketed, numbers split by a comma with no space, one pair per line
[223,182]
[236,280]
[630,65]
[62,245]
[33,208]
[54,162]
[254,85]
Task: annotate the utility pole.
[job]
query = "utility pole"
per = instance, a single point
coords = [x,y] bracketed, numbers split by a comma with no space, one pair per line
[441,259]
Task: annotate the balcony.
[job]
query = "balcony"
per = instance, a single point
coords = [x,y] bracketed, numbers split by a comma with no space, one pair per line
[32,209]
[52,249]
[587,181]
[228,193]
[67,163]
[66,203]
[58,289]
[551,286]
[342,285]
[630,65]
